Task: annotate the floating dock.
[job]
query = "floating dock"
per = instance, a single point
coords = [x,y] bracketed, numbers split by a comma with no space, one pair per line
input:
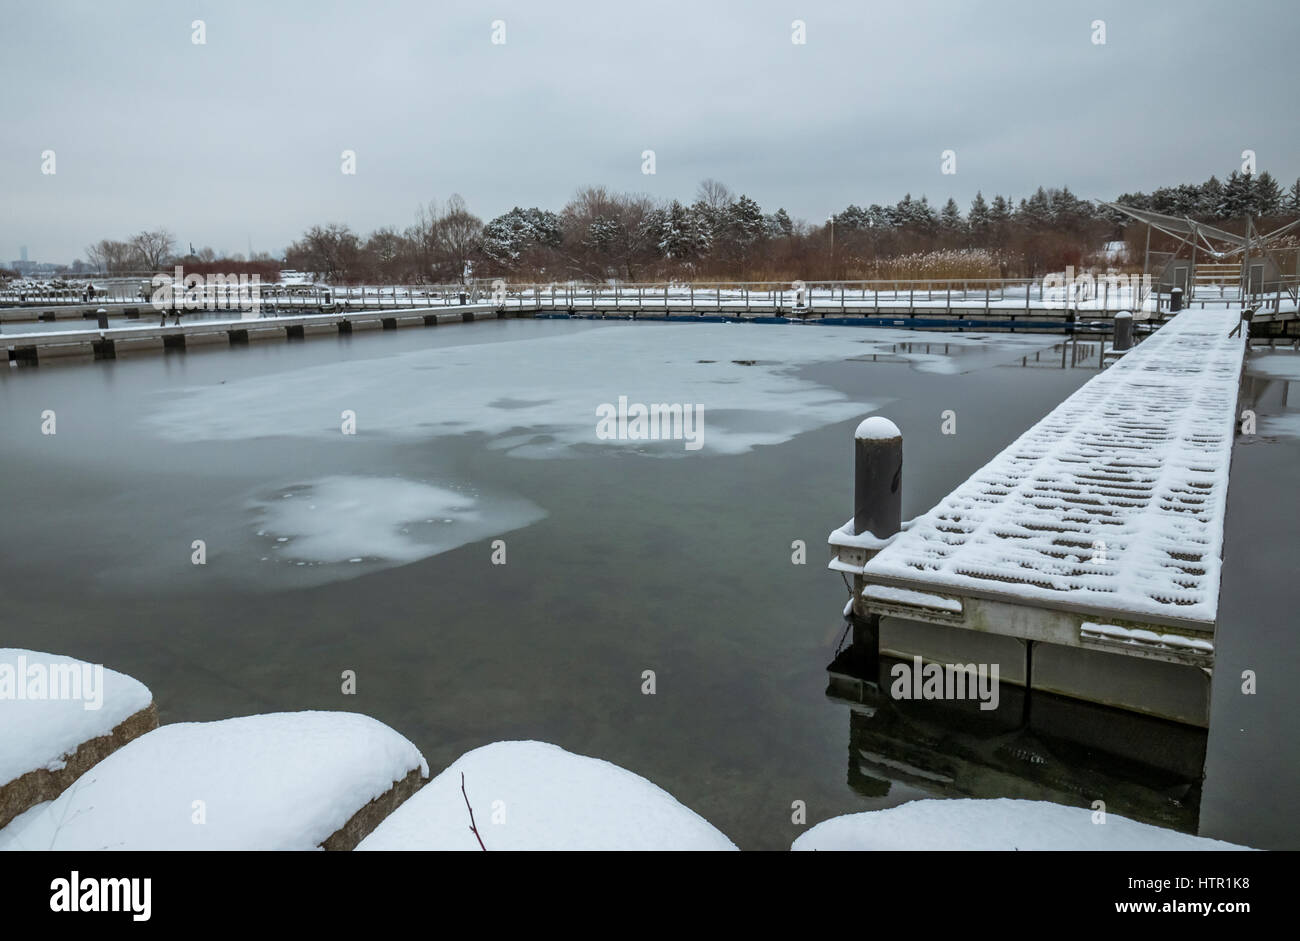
[119,342]
[1084,558]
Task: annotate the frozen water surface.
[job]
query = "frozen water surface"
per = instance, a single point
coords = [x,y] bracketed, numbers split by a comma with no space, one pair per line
[622,556]
[538,396]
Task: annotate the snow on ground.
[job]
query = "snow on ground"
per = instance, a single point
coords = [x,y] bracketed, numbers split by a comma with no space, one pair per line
[42,732]
[535,796]
[363,519]
[284,781]
[538,397]
[1000,824]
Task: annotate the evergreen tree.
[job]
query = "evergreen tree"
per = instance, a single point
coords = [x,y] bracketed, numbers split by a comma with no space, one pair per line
[1266,198]
[903,213]
[1236,196]
[744,226]
[706,229]
[951,223]
[676,237]
[1035,212]
[1209,201]
[1000,211]
[999,221]
[978,218]
[927,220]
[1069,212]
[780,225]
[852,219]
[507,238]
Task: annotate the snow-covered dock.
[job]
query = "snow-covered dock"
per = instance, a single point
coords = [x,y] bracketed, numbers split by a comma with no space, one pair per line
[116,342]
[1097,532]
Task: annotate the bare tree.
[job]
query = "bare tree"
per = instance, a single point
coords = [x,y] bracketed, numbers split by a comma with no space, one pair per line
[95,257]
[111,256]
[714,194]
[330,251]
[154,248]
[460,234]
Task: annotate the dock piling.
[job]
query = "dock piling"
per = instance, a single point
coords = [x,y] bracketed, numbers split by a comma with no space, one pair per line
[878,477]
[877,511]
[1123,330]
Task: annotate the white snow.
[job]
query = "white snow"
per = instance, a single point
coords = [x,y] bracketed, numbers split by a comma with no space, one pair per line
[282,781]
[535,796]
[536,397]
[1142,636]
[347,519]
[1001,824]
[845,536]
[848,568]
[877,428]
[1115,501]
[42,733]
[907,596]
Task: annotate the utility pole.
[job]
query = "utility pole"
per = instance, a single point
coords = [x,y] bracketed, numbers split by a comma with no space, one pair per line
[831,220]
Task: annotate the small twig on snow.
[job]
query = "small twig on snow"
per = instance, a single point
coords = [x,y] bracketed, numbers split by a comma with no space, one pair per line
[472,828]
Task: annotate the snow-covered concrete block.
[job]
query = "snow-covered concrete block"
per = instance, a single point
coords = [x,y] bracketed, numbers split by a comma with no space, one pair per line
[535,796]
[284,781]
[1001,824]
[58,717]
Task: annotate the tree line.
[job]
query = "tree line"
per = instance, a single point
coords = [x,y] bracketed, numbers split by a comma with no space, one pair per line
[719,235]
[601,234]
[153,250]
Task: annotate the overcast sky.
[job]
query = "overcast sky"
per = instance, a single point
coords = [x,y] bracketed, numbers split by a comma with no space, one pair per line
[241,138]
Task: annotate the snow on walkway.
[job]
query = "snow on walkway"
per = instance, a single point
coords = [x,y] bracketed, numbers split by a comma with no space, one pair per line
[535,796]
[1001,824]
[285,781]
[51,704]
[1114,501]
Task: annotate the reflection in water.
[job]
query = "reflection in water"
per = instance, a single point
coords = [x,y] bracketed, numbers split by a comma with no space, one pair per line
[1265,393]
[1034,746]
[952,359]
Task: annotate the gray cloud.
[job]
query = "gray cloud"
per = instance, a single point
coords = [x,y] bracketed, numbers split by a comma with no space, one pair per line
[240,138]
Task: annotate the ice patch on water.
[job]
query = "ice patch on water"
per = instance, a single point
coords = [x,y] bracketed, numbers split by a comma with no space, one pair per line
[379,519]
[537,397]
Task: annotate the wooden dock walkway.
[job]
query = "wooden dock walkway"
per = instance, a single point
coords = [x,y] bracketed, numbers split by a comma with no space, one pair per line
[1099,530]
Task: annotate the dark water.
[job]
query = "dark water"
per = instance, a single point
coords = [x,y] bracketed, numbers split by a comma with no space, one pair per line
[678,565]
